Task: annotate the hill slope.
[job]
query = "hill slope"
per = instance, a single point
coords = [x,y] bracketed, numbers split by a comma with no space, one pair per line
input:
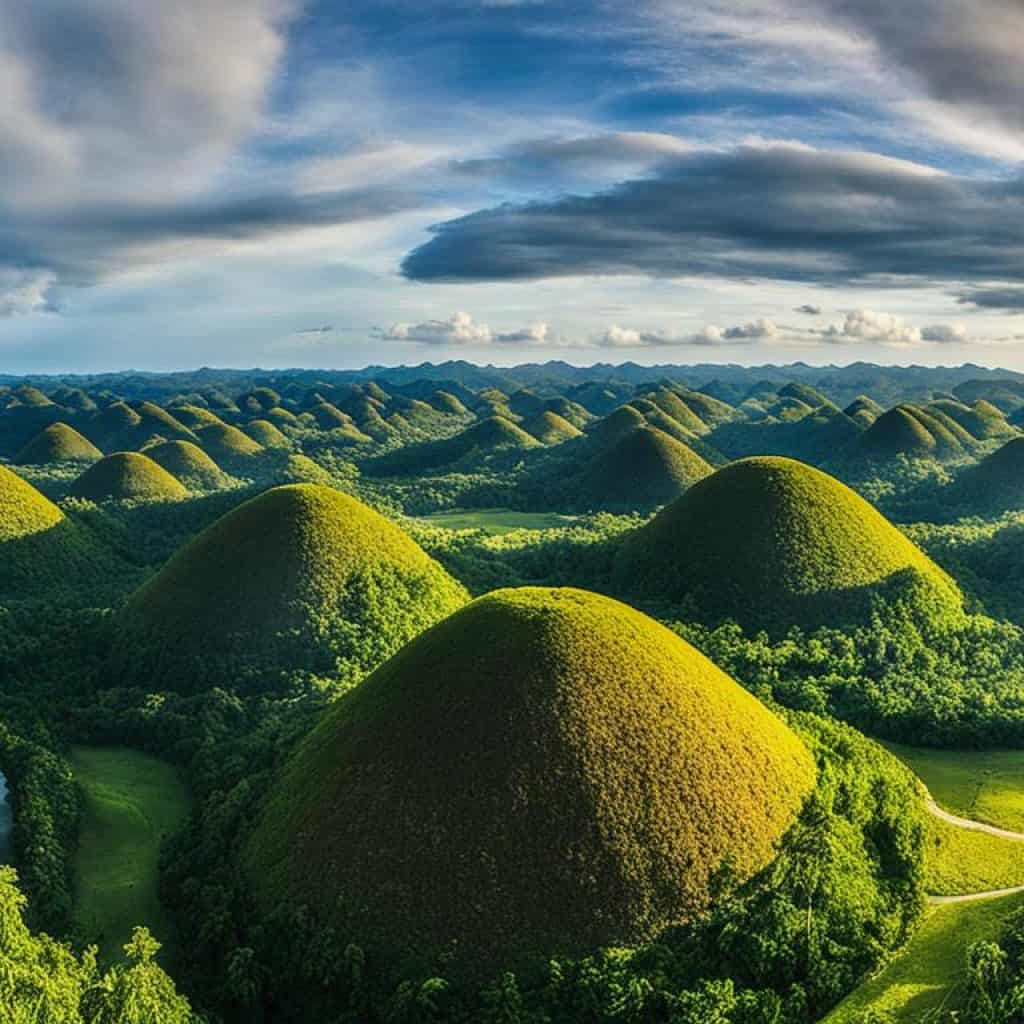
[642,469]
[127,476]
[300,577]
[190,464]
[547,769]
[58,443]
[772,542]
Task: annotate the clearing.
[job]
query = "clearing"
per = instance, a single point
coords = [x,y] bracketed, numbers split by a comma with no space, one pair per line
[496,520]
[131,802]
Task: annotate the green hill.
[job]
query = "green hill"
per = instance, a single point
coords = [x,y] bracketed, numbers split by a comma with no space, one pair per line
[126,476]
[897,432]
[195,417]
[641,470]
[671,404]
[264,433]
[983,421]
[115,419]
[28,395]
[864,410]
[190,464]
[546,770]
[300,577]
[570,410]
[40,548]
[550,428]
[995,485]
[617,424]
[444,401]
[58,443]
[282,417]
[228,445]
[771,542]
[155,421]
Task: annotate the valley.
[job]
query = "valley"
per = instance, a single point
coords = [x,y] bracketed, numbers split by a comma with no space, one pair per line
[608,700]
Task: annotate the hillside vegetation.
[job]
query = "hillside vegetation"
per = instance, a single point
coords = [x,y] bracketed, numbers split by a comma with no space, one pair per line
[300,577]
[545,770]
[771,542]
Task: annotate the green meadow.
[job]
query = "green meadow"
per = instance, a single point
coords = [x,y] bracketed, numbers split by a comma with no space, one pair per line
[131,801]
[926,976]
[984,785]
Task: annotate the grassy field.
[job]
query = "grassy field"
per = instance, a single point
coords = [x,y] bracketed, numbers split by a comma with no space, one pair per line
[496,520]
[131,801]
[928,973]
[985,785]
[958,861]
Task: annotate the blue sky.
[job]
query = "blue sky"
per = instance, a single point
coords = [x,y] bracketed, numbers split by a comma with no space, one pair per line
[278,183]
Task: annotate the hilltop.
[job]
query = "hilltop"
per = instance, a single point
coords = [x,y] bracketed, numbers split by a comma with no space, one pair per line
[190,464]
[641,469]
[40,548]
[771,542]
[127,476]
[546,770]
[58,443]
[299,577]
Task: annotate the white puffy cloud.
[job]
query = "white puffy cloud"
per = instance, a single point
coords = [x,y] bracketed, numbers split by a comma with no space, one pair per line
[756,330]
[458,329]
[867,325]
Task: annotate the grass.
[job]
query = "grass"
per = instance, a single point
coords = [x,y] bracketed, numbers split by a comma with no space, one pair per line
[496,521]
[771,542]
[984,785]
[545,767]
[959,861]
[928,973]
[131,801]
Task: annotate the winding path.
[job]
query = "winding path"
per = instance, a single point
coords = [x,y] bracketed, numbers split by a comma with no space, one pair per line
[971,826]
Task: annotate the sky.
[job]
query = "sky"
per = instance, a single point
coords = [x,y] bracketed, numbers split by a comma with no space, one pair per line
[281,183]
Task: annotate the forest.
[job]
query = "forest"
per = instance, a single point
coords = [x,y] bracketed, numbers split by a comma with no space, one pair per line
[513,695]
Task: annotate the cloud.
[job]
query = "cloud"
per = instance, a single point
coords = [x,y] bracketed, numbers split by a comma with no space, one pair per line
[710,335]
[534,334]
[945,334]
[809,309]
[458,329]
[1010,298]
[107,95]
[772,211]
[25,291]
[965,54]
[754,331]
[597,155]
[866,325]
[461,329]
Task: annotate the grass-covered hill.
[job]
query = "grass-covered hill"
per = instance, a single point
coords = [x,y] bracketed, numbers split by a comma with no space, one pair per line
[190,465]
[914,432]
[771,542]
[301,577]
[55,444]
[549,428]
[864,410]
[40,548]
[264,433]
[227,445]
[640,470]
[983,421]
[195,416]
[547,770]
[491,437]
[127,476]
[995,485]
